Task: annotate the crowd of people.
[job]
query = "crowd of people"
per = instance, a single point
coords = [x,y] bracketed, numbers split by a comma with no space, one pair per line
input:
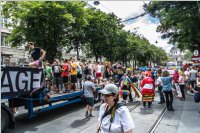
[117,82]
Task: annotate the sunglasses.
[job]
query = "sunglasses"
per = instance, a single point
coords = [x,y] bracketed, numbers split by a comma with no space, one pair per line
[108,95]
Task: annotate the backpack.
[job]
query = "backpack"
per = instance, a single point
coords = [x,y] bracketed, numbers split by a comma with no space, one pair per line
[197,97]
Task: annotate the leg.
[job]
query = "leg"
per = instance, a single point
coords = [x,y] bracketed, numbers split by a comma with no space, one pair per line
[149,104]
[87,110]
[162,97]
[91,106]
[171,100]
[167,99]
[144,104]
[57,84]
[130,96]
[124,96]
[160,93]
[182,87]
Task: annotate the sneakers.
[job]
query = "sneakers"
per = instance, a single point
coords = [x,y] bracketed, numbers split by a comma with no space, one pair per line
[86,114]
[161,102]
[171,109]
[182,99]
[90,115]
[190,93]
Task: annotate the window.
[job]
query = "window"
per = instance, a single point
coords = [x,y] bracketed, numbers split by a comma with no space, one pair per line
[4,40]
[4,22]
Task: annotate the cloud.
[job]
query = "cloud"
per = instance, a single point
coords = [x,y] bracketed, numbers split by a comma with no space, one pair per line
[146,25]
[147,28]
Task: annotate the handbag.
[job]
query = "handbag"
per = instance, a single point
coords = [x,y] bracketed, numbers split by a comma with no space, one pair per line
[197,97]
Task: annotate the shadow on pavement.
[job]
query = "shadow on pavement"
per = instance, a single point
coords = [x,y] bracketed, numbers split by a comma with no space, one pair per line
[146,111]
[44,117]
[78,123]
[132,103]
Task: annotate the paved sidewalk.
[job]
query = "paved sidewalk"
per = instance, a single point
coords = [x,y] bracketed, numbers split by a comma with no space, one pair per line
[185,118]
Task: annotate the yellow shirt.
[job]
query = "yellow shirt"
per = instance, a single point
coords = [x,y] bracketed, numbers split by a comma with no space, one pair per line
[74,69]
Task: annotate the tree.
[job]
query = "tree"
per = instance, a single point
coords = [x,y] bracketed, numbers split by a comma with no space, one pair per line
[188,55]
[179,21]
[77,36]
[44,23]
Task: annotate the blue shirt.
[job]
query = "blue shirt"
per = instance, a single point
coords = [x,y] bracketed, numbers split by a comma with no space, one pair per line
[167,83]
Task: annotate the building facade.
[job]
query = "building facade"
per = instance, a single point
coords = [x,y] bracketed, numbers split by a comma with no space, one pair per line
[9,55]
[177,56]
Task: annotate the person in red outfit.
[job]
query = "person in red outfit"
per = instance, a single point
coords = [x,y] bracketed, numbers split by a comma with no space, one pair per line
[148,86]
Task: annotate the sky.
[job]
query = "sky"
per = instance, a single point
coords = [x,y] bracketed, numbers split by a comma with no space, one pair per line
[145,26]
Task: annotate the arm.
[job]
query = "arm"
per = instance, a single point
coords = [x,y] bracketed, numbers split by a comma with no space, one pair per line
[197,80]
[142,83]
[98,126]
[130,131]
[93,88]
[43,54]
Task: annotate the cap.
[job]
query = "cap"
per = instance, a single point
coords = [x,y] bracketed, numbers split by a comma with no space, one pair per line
[109,89]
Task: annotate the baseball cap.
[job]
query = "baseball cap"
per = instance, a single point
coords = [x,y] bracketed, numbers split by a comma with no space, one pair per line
[109,89]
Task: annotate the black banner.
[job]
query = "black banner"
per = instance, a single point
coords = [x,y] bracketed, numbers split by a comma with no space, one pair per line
[17,81]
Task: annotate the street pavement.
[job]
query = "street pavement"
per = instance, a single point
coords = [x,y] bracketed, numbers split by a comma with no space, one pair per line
[185,118]
[71,119]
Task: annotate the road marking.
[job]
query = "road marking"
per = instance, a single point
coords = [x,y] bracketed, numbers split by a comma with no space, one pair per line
[157,122]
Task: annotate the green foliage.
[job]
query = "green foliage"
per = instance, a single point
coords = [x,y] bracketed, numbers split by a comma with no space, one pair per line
[188,55]
[179,21]
[54,25]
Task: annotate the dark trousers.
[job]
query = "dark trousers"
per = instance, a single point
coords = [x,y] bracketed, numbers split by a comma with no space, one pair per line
[125,87]
[130,96]
[162,99]
[125,97]
[182,87]
[169,99]
[149,104]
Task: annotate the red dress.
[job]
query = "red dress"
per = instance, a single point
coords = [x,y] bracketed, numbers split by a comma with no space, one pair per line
[147,85]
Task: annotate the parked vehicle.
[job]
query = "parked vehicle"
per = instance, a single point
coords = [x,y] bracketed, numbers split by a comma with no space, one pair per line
[21,86]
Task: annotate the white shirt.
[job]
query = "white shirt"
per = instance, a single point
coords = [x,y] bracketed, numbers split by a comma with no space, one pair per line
[159,81]
[122,120]
[99,68]
[187,74]
[171,72]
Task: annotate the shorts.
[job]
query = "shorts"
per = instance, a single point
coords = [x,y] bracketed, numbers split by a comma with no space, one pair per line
[73,78]
[79,76]
[57,80]
[90,101]
[192,83]
[65,79]
[98,75]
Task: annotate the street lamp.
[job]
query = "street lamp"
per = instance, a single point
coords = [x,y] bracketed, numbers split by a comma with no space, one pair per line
[96,3]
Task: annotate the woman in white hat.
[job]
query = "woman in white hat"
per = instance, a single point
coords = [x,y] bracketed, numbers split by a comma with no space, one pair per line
[113,116]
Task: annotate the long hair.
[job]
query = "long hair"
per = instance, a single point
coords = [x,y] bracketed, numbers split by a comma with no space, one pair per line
[117,98]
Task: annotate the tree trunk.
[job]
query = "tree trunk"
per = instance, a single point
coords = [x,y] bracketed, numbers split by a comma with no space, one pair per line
[96,57]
